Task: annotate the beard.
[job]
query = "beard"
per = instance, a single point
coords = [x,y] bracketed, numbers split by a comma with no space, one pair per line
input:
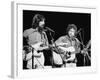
[41,28]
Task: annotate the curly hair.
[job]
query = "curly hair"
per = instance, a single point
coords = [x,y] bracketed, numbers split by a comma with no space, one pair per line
[36,19]
[70,26]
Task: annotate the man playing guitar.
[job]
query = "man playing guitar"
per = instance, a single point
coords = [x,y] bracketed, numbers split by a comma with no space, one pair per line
[37,39]
[68,46]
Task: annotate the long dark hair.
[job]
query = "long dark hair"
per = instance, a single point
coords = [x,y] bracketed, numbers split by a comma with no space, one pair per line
[36,19]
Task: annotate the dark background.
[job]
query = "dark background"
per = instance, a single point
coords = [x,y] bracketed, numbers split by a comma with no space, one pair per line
[58,21]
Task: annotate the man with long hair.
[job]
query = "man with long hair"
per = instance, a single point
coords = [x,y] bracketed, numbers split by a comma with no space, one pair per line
[37,39]
[69,45]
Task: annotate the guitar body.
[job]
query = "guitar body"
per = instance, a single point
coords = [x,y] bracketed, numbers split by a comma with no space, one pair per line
[57,59]
[68,53]
[39,60]
[38,56]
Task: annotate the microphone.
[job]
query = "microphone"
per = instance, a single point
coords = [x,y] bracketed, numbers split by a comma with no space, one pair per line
[79,31]
[49,29]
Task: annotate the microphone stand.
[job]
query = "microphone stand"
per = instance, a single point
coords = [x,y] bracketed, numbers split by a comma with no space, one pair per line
[82,45]
[52,42]
[86,53]
[32,58]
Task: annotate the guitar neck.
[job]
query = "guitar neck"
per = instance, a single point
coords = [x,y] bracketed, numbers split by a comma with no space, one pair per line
[69,49]
[42,48]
